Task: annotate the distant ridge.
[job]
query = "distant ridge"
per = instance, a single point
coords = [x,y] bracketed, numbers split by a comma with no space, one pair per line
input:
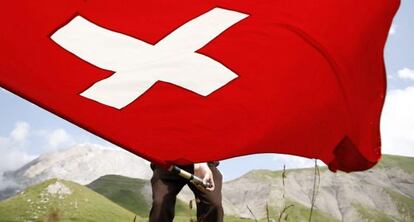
[82,164]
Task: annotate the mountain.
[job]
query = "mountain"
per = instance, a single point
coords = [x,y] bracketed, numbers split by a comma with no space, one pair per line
[383,193]
[82,164]
[60,200]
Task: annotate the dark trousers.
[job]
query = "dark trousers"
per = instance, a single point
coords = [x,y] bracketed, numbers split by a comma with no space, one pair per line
[166,186]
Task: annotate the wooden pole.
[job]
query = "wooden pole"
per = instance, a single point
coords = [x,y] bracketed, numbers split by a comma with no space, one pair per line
[191,177]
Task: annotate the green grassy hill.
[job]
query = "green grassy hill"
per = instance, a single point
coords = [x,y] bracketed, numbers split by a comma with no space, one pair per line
[132,194]
[402,162]
[59,200]
[124,191]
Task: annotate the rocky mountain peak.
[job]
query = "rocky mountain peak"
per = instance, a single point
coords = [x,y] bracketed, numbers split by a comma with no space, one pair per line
[82,164]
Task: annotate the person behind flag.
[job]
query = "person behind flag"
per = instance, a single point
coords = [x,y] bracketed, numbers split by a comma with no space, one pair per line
[166,185]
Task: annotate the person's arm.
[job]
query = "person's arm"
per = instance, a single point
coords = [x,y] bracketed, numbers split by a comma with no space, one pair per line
[203,171]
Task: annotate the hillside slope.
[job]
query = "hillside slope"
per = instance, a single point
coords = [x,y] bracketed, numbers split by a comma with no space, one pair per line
[383,193]
[132,194]
[60,200]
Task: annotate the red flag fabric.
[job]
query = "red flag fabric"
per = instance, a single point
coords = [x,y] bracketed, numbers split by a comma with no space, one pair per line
[178,82]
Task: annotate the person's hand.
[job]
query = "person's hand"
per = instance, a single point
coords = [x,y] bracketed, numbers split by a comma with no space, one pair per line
[202,171]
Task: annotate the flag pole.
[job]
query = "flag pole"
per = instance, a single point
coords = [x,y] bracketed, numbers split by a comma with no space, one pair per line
[189,176]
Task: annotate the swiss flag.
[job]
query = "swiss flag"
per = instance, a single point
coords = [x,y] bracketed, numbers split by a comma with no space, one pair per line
[178,82]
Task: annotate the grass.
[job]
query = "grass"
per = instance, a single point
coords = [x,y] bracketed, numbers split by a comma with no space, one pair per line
[226,219]
[128,193]
[405,205]
[83,204]
[270,174]
[124,191]
[298,213]
[402,162]
[369,214]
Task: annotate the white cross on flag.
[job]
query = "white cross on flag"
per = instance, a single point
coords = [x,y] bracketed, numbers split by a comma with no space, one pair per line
[178,82]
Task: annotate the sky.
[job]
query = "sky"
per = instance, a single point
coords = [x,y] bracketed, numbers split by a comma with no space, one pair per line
[27,131]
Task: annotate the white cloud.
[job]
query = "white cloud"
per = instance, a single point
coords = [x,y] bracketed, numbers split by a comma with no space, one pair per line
[397,122]
[13,157]
[7,183]
[393,30]
[406,73]
[59,138]
[13,154]
[17,147]
[20,132]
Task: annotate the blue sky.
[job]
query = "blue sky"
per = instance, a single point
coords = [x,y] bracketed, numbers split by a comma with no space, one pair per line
[27,131]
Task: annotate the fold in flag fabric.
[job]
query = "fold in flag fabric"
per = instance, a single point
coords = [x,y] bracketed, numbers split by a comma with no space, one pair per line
[178,82]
